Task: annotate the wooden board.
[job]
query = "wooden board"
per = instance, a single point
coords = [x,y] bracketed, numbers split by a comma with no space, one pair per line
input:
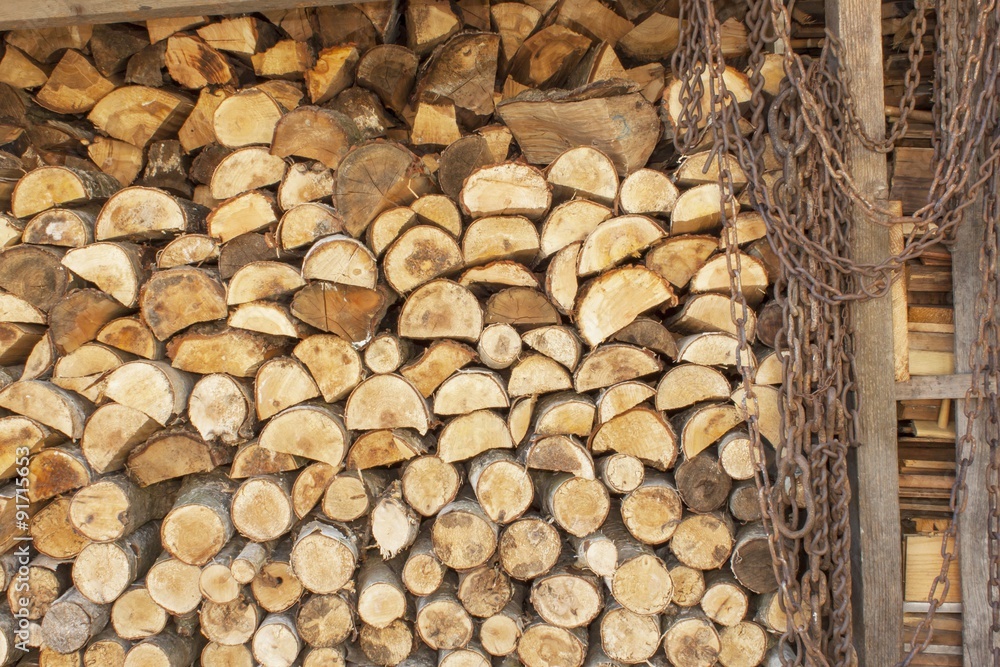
[875,529]
[972,526]
[53,13]
[923,563]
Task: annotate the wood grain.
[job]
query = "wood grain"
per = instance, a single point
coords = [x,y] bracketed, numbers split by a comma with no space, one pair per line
[875,529]
[52,13]
[972,525]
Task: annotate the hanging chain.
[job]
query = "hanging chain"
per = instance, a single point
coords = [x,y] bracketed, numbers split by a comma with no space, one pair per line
[807,214]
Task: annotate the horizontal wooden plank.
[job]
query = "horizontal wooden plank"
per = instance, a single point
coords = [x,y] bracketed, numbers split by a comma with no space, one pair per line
[53,13]
[921,607]
[933,386]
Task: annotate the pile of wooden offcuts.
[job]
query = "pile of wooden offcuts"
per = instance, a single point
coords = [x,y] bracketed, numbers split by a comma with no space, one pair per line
[375,335]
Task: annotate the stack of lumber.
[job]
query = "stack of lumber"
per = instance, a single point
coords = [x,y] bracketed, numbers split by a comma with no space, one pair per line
[364,335]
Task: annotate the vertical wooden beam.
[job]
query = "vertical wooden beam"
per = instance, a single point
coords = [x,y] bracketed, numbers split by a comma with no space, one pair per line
[977,639]
[878,594]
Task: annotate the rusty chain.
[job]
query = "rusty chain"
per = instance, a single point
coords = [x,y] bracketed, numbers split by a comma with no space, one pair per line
[807,213]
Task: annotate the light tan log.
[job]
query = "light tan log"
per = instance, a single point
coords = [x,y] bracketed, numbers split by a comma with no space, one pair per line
[529,547]
[325,621]
[422,572]
[276,588]
[441,620]
[199,525]
[114,507]
[135,615]
[324,557]
[103,571]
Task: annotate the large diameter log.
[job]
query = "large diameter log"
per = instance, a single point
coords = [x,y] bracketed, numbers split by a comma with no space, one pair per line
[72,620]
[691,639]
[642,582]
[545,125]
[325,621]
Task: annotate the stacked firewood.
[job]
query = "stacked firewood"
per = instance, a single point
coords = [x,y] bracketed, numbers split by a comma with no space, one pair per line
[375,335]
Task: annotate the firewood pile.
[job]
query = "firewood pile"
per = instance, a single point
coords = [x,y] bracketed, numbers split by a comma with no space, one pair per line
[375,335]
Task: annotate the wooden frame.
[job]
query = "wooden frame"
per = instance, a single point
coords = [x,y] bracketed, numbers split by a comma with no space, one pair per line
[875,526]
[54,13]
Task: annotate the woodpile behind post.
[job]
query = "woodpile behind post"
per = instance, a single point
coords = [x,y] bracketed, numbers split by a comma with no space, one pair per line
[378,335]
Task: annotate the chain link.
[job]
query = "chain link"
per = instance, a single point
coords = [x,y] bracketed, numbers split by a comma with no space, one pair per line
[808,213]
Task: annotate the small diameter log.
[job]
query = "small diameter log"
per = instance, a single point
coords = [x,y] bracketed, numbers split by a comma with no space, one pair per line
[485,590]
[103,571]
[52,532]
[744,503]
[621,473]
[653,510]
[251,558]
[389,645]
[72,621]
[703,541]
[751,561]
[276,642]
[46,580]
[502,485]
[737,456]
[135,615]
[199,525]
[351,495]
[597,553]
[422,572]
[689,582]
[262,507]
[325,621]
[567,598]
[725,601]
[324,557]
[217,582]
[579,506]
[742,645]
[626,636]
[500,633]
[529,547]
[219,655]
[381,596]
[230,623]
[115,507]
[642,582]
[106,650]
[463,535]
[499,346]
[691,639]
[441,620]
[173,585]
[541,640]
[703,484]
[167,649]
[276,588]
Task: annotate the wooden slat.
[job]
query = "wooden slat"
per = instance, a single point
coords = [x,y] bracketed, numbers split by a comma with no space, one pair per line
[972,524]
[52,13]
[875,529]
[934,386]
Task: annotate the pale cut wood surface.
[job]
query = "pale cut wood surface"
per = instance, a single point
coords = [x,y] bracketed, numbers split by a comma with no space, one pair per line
[875,528]
[51,13]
